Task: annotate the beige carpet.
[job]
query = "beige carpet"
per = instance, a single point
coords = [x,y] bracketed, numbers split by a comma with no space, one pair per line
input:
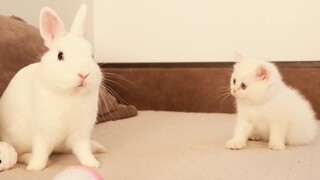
[184,146]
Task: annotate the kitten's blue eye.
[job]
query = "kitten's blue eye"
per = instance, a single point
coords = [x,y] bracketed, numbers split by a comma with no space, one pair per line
[243,86]
[234,81]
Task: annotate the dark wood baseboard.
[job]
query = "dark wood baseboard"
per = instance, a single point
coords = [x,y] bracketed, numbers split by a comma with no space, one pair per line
[197,87]
[281,64]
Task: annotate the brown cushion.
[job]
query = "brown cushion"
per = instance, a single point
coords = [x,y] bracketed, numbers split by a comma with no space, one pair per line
[20,45]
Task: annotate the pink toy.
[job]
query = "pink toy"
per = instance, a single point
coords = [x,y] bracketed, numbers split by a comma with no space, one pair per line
[8,156]
[79,173]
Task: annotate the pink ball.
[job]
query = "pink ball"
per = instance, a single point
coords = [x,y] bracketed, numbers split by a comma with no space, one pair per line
[79,173]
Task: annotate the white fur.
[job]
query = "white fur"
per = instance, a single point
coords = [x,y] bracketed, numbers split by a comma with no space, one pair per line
[43,110]
[268,109]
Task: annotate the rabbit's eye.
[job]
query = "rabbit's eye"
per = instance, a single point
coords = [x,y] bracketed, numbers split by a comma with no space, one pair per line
[60,56]
[92,56]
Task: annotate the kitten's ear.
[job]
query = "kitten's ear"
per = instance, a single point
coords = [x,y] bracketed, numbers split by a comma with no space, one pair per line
[262,72]
[238,56]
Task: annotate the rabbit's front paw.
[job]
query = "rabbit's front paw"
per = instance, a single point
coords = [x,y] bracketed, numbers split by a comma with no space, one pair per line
[36,165]
[235,144]
[25,158]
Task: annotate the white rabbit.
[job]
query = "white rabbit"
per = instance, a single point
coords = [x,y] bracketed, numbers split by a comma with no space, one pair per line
[51,106]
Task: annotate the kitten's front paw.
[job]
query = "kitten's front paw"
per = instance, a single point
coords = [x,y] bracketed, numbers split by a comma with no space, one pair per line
[277,146]
[236,144]
[254,137]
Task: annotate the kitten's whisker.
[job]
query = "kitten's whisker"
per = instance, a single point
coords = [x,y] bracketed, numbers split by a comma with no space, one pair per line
[223,97]
[222,90]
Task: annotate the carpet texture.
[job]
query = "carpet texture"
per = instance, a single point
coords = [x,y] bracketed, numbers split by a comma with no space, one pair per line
[157,145]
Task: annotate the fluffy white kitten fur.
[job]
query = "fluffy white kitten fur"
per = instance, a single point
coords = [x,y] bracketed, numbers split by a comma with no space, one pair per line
[268,109]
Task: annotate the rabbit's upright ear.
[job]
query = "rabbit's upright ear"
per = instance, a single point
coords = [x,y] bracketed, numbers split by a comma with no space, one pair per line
[51,26]
[77,27]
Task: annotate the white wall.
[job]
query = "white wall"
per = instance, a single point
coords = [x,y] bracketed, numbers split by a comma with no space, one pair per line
[189,30]
[29,10]
[206,30]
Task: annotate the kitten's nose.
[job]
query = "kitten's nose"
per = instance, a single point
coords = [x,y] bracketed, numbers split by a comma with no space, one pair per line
[234,90]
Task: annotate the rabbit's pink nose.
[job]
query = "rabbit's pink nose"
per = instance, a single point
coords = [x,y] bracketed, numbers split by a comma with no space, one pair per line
[83,76]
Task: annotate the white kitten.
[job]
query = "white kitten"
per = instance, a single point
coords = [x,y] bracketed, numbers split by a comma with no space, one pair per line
[267,108]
